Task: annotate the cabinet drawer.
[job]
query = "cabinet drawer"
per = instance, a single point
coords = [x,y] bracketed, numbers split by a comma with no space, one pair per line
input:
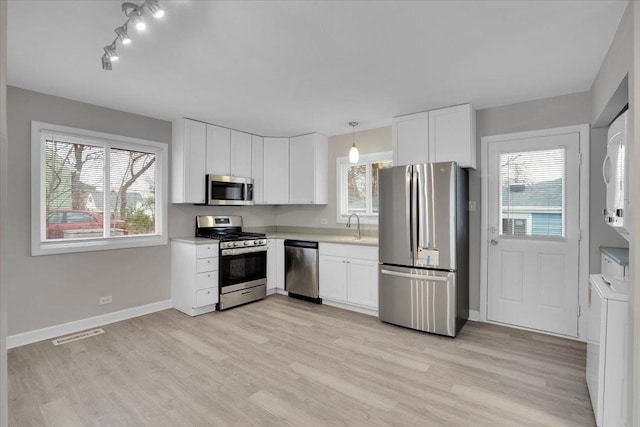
[206,280]
[349,251]
[206,264]
[207,296]
[207,251]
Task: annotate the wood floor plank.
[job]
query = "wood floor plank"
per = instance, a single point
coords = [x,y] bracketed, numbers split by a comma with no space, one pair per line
[283,361]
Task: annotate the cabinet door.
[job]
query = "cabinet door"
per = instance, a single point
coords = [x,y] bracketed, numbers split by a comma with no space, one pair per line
[271,264]
[218,150]
[276,171]
[193,149]
[240,154]
[452,135]
[302,170]
[410,139]
[257,168]
[333,278]
[280,263]
[363,282]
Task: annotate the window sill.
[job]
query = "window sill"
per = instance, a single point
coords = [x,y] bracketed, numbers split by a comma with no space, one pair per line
[61,247]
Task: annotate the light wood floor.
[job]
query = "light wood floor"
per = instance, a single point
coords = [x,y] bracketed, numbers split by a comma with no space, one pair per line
[286,362]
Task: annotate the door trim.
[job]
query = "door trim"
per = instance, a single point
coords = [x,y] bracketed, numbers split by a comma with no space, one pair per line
[583,182]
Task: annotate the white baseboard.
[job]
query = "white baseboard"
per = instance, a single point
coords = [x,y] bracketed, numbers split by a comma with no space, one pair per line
[350,307]
[474,315]
[25,338]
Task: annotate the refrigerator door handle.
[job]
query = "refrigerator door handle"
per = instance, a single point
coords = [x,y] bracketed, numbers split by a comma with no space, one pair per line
[415,276]
[410,188]
[414,211]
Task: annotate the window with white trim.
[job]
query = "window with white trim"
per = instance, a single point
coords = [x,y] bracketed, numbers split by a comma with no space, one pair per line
[357,186]
[94,191]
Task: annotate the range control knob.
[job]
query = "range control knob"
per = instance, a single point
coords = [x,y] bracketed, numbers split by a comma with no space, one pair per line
[247,242]
[256,242]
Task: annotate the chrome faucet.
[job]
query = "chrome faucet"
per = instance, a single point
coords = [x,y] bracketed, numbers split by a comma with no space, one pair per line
[357,234]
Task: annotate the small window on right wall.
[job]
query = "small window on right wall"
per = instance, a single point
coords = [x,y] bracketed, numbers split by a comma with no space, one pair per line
[357,186]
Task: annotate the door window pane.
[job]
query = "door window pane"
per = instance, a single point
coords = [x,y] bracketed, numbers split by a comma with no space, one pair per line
[532,193]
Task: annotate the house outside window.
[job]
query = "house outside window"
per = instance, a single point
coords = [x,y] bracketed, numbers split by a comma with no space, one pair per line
[93,191]
[357,186]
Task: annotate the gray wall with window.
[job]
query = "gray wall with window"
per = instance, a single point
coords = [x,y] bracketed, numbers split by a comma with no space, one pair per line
[50,290]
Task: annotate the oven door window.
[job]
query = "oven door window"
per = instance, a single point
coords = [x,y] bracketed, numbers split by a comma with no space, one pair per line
[242,268]
[227,190]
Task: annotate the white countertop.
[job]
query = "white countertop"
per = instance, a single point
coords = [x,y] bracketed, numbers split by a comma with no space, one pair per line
[617,291]
[324,238]
[196,240]
[312,237]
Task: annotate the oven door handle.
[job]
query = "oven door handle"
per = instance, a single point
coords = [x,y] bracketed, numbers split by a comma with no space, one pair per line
[240,251]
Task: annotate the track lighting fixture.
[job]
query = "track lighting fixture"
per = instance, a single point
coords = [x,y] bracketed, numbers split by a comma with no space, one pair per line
[110,51]
[122,34]
[154,8]
[106,62]
[134,14]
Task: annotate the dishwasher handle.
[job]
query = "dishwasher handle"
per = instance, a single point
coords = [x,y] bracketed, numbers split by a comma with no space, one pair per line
[301,244]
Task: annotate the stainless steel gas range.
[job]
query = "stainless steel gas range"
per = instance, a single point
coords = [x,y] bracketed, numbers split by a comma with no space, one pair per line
[243,259]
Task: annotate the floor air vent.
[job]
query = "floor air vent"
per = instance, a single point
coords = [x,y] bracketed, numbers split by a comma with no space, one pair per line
[78,336]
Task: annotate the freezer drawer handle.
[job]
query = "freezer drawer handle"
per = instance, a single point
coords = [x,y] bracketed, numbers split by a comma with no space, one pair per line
[415,276]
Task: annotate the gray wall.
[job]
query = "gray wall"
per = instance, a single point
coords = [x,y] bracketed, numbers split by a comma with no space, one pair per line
[565,110]
[3,217]
[50,290]
[609,93]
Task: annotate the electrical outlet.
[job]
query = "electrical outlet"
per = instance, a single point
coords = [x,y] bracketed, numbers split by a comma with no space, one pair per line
[472,206]
[324,221]
[105,300]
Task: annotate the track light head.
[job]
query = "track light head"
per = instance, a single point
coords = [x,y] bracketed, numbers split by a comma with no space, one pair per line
[134,13]
[122,34]
[110,52]
[106,63]
[154,8]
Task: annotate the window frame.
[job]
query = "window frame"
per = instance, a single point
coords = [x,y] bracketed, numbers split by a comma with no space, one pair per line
[342,163]
[39,245]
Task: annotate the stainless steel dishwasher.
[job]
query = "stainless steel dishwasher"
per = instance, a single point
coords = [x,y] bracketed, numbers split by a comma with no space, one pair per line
[301,270]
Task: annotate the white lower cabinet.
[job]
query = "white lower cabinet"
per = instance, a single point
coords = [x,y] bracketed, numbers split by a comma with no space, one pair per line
[349,276]
[194,277]
[607,350]
[275,265]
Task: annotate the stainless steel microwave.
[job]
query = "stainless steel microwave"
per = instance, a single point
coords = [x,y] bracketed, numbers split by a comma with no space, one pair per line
[229,190]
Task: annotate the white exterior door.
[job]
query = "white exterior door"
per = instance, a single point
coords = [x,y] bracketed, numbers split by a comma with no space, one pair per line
[533,232]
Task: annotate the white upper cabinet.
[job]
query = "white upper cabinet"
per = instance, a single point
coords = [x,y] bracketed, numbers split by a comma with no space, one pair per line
[410,139]
[452,135]
[188,161]
[218,150]
[276,171]
[228,152]
[240,154]
[446,134]
[257,168]
[308,169]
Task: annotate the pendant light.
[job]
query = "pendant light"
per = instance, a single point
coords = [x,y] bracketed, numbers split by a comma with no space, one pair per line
[354,155]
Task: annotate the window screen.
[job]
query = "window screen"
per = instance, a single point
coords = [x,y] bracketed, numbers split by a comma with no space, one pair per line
[532,196]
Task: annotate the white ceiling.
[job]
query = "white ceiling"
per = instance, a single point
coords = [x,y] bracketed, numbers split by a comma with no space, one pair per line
[287,68]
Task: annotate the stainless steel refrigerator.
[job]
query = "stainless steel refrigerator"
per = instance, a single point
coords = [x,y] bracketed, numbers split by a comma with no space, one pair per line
[424,247]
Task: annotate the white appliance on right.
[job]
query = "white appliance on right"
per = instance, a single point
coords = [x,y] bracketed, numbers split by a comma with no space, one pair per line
[607,323]
[614,173]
